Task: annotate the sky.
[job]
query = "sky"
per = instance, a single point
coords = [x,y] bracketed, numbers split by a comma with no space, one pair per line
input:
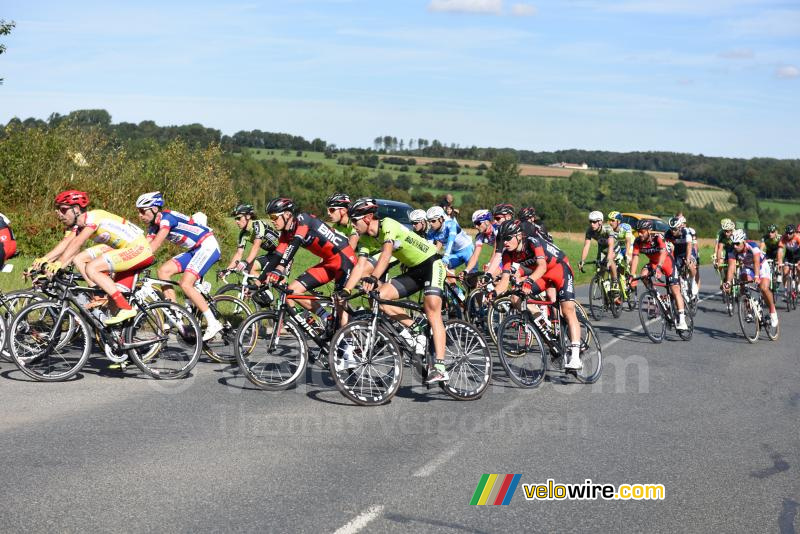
[717,77]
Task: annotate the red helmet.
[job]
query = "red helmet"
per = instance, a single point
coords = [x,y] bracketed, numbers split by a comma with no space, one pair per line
[73,198]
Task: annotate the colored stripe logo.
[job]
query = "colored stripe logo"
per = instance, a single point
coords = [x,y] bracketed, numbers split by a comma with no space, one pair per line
[495,489]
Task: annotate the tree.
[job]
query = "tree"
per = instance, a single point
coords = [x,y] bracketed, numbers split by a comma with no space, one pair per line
[5,29]
[504,173]
[377,141]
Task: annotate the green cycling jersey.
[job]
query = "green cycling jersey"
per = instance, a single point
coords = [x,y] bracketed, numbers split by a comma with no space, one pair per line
[409,248]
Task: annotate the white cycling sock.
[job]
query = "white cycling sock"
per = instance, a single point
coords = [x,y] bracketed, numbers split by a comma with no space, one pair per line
[209,316]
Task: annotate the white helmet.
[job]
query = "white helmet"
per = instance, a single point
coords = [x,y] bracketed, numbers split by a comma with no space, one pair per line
[479,216]
[738,236]
[727,224]
[200,218]
[596,216]
[416,216]
[5,219]
[434,212]
[150,200]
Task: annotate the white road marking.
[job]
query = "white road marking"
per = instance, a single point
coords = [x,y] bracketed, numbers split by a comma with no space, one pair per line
[361,520]
[428,469]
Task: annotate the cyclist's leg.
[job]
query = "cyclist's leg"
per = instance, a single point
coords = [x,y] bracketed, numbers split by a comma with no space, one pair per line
[170,268]
[202,258]
[561,277]
[87,256]
[135,257]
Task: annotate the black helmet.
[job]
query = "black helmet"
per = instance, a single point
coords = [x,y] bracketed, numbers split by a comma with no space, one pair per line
[789,229]
[243,209]
[338,200]
[645,224]
[527,212]
[508,228]
[503,209]
[361,207]
[279,205]
[772,228]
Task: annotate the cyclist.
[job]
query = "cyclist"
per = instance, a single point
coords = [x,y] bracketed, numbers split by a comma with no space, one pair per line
[122,247]
[683,243]
[769,245]
[607,247]
[259,235]
[202,252]
[653,246]
[305,230]
[624,234]
[500,214]
[550,267]
[425,271]
[531,225]
[789,251]
[337,205]
[419,223]
[487,232]
[8,243]
[445,232]
[753,268]
[723,246]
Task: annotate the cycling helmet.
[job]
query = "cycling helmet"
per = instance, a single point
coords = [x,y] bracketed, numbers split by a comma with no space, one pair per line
[727,224]
[362,207]
[200,218]
[481,215]
[338,200]
[772,228]
[243,209]
[645,224]
[675,222]
[596,216]
[789,229]
[614,216]
[5,219]
[503,209]
[279,205]
[527,212]
[417,216]
[72,198]
[150,200]
[435,212]
[738,236]
[508,228]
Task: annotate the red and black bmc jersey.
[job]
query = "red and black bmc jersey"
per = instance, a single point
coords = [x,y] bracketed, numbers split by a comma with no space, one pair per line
[534,248]
[652,247]
[314,235]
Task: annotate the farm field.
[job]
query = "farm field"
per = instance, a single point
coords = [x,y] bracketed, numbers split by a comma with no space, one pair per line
[784,207]
[719,198]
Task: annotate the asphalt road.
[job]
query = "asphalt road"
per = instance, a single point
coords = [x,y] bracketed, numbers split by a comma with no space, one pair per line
[715,420]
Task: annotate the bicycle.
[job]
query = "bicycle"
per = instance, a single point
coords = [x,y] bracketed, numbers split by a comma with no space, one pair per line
[790,289]
[686,280]
[271,346]
[51,340]
[602,296]
[753,313]
[240,289]
[729,299]
[366,357]
[657,311]
[526,339]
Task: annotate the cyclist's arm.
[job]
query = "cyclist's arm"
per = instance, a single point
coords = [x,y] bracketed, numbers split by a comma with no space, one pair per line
[611,245]
[779,256]
[473,260]
[502,285]
[254,251]
[731,269]
[494,263]
[451,239]
[74,246]
[629,245]
[158,238]
[763,246]
[757,266]
[237,256]
[541,268]
[353,241]
[61,247]
[357,273]
[634,262]
[585,252]
[383,260]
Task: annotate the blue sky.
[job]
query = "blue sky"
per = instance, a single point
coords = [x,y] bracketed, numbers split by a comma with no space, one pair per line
[718,77]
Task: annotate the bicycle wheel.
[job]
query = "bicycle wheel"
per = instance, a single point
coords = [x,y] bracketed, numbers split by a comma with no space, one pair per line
[474,310]
[732,300]
[521,351]
[652,316]
[366,364]
[13,302]
[231,312]
[748,318]
[37,354]
[468,361]
[169,337]
[790,293]
[497,312]
[773,333]
[591,354]
[279,356]
[596,299]
[451,306]
[685,335]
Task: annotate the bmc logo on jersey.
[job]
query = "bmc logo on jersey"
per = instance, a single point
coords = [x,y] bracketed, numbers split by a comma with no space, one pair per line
[330,235]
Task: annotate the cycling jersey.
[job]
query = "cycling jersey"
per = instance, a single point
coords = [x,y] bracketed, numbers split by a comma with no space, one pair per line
[451,236]
[536,230]
[682,243]
[109,229]
[487,238]
[652,247]
[601,236]
[8,244]
[771,245]
[791,246]
[409,248]
[183,231]
[724,239]
[259,230]
[559,274]
[747,258]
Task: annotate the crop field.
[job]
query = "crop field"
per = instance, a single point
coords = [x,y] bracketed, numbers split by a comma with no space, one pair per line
[784,207]
[719,198]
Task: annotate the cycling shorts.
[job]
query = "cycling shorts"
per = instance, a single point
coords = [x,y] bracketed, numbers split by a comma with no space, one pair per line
[200,259]
[669,270]
[338,268]
[750,273]
[136,256]
[460,257]
[428,275]
[790,256]
[561,277]
[267,263]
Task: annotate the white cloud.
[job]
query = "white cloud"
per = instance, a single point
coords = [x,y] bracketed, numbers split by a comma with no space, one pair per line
[788,72]
[491,7]
[523,10]
[738,53]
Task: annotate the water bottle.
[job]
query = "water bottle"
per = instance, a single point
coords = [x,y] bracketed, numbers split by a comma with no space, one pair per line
[607,285]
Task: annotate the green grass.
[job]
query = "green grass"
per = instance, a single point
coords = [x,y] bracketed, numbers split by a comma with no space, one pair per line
[784,207]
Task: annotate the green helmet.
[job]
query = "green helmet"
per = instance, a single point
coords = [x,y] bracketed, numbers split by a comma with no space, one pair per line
[243,209]
[772,228]
[727,224]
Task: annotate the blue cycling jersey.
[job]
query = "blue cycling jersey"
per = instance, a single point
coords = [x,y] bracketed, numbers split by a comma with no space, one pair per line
[487,238]
[183,231]
[451,236]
